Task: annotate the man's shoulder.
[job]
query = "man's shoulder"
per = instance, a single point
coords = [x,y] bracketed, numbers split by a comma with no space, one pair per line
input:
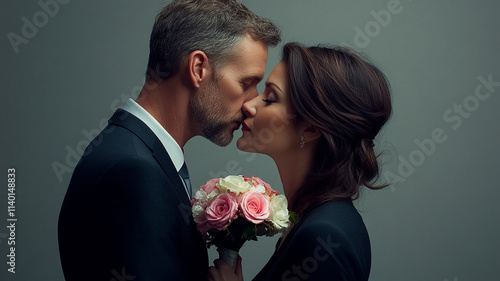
[115,141]
[115,151]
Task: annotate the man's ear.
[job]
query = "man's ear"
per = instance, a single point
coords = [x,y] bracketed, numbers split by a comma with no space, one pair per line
[199,68]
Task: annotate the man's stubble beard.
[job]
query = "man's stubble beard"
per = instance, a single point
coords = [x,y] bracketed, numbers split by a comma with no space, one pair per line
[209,112]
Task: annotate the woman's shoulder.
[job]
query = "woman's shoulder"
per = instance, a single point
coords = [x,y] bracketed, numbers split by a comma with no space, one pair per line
[333,216]
[329,243]
[337,226]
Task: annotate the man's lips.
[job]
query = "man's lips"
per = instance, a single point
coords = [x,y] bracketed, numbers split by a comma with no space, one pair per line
[244,127]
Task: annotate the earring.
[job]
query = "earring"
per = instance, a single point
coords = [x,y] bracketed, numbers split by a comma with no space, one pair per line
[302,142]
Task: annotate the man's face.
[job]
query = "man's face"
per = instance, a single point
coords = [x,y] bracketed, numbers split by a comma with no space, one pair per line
[217,109]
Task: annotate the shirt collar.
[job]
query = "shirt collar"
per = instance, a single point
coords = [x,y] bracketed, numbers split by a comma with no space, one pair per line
[171,146]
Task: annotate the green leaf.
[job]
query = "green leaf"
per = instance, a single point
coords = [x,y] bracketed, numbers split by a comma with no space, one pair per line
[250,232]
[262,228]
[293,217]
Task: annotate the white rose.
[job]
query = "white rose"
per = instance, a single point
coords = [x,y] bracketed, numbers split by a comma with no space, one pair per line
[260,188]
[212,195]
[198,211]
[279,212]
[200,195]
[236,184]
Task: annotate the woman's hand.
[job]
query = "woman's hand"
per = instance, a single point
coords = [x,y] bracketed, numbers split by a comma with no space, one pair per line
[222,271]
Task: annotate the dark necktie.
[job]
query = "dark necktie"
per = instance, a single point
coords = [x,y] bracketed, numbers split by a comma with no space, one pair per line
[184,173]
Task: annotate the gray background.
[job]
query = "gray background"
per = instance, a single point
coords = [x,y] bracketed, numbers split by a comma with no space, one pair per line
[440,221]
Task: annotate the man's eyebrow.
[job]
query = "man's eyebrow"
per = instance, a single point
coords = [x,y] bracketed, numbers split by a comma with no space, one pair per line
[255,77]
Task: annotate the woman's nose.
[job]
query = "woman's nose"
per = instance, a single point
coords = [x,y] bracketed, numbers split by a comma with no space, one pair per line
[249,108]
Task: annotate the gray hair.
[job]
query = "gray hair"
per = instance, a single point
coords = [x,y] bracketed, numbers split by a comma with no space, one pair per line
[212,26]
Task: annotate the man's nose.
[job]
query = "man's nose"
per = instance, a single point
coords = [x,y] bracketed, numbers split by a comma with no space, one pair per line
[252,94]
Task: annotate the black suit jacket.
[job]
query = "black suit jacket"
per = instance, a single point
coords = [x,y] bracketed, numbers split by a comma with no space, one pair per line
[329,243]
[126,214]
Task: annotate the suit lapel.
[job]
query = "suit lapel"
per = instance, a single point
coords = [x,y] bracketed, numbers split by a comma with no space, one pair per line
[128,121]
[162,157]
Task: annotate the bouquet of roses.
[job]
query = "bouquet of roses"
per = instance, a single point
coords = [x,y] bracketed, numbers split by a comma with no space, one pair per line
[229,211]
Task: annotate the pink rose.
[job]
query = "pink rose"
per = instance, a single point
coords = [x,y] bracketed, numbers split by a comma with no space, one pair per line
[209,186]
[221,210]
[254,206]
[269,191]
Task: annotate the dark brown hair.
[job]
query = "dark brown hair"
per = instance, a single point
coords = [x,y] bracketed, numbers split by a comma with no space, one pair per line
[212,26]
[348,100]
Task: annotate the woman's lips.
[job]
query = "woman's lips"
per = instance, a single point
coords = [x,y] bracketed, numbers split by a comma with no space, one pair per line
[244,127]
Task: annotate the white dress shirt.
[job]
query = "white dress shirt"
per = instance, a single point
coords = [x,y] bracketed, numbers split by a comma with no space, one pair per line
[171,146]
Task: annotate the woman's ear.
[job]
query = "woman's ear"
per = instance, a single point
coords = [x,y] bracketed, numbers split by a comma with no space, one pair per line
[199,68]
[311,133]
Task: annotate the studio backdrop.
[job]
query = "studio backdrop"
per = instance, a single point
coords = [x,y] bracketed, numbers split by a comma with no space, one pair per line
[67,65]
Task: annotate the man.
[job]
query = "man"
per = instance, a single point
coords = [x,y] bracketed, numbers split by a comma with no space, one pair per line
[126,214]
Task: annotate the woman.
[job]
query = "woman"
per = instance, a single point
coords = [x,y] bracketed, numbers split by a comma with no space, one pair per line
[317,119]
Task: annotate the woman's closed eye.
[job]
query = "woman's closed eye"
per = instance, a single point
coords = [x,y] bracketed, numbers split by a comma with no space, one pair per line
[268,101]
[269,98]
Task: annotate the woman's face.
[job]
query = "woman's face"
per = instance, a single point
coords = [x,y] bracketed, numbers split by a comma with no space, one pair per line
[270,127]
